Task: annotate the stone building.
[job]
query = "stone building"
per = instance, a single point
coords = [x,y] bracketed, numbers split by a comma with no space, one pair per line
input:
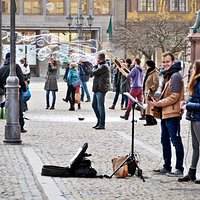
[35,17]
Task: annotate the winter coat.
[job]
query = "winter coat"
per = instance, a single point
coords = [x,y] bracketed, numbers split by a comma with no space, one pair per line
[101,81]
[4,73]
[193,104]
[151,86]
[124,84]
[170,101]
[51,78]
[72,77]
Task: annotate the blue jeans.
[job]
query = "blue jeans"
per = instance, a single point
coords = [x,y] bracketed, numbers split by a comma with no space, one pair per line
[84,89]
[99,108]
[170,129]
[47,98]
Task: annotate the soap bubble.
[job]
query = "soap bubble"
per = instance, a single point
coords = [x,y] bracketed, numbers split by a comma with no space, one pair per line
[18,37]
[40,42]
[50,6]
[4,35]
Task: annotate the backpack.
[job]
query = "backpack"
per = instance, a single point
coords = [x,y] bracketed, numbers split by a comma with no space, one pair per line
[87,68]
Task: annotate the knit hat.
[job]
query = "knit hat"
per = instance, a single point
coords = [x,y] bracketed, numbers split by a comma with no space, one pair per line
[151,63]
[7,55]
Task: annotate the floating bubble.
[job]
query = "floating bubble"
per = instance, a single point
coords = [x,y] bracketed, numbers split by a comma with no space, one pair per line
[50,6]
[44,52]
[40,42]
[18,37]
[4,35]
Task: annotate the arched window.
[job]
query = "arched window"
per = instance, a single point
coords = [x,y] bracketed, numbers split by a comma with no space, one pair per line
[146,5]
[178,5]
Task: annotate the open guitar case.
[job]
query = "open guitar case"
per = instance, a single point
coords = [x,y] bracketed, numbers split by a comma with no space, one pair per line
[80,166]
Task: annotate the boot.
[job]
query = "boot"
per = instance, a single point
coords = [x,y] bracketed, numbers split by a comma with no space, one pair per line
[191,176]
[197,181]
[112,107]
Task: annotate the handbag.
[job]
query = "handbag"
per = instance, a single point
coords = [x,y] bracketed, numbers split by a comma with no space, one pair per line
[123,171]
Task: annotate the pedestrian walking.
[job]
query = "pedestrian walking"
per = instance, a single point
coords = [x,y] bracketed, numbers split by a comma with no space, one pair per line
[72,82]
[51,83]
[136,76]
[193,115]
[85,70]
[171,94]
[150,86]
[101,85]
[117,84]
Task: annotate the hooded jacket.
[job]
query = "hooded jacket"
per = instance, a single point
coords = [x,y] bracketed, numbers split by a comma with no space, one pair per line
[136,77]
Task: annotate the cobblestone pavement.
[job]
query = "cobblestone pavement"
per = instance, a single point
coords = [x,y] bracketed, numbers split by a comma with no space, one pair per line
[56,135]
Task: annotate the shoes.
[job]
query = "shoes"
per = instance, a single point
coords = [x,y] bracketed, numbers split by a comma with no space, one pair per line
[161,171]
[23,130]
[142,118]
[72,108]
[149,124]
[112,107]
[100,127]
[47,107]
[124,117]
[66,100]
[124,108]
[88,100]
[197,181]
[176,173]
[52,108]
[95,125]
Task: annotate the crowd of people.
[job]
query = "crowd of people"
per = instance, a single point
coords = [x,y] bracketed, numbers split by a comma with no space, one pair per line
[162,91]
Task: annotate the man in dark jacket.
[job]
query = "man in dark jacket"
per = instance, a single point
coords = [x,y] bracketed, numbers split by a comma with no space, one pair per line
[101,85]
[4,73]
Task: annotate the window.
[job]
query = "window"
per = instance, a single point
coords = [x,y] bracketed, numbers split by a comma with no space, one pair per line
[6,6]
[101,7]
[75,7]
[178,5]
[32,6]
[58,7]
[147,5]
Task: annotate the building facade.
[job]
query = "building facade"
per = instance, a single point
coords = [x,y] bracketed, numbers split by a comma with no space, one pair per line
[35,17]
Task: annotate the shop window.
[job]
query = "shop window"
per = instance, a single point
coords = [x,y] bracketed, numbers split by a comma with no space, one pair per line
[101,7]
[147,5]
[32,6]
[57,7]
[75,7]
[178,5]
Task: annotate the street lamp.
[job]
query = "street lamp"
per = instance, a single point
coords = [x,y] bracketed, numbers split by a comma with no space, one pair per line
[12,127]
[0,32]
[79,24]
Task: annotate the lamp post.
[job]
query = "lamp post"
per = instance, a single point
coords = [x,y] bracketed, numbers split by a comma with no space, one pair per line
[12,127]
[79,21]
[0,32]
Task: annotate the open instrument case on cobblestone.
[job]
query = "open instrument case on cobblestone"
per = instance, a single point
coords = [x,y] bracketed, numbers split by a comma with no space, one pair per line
[80,166]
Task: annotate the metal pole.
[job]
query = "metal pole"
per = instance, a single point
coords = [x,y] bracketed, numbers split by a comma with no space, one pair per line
[0,32]
[12,127]
[80,33]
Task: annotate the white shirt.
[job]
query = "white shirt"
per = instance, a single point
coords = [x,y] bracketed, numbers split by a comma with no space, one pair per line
[25,70]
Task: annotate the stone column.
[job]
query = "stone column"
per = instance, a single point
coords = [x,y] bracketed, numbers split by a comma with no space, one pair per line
[194,38]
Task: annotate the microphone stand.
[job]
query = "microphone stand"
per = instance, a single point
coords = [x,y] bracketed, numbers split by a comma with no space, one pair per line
[131,160]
